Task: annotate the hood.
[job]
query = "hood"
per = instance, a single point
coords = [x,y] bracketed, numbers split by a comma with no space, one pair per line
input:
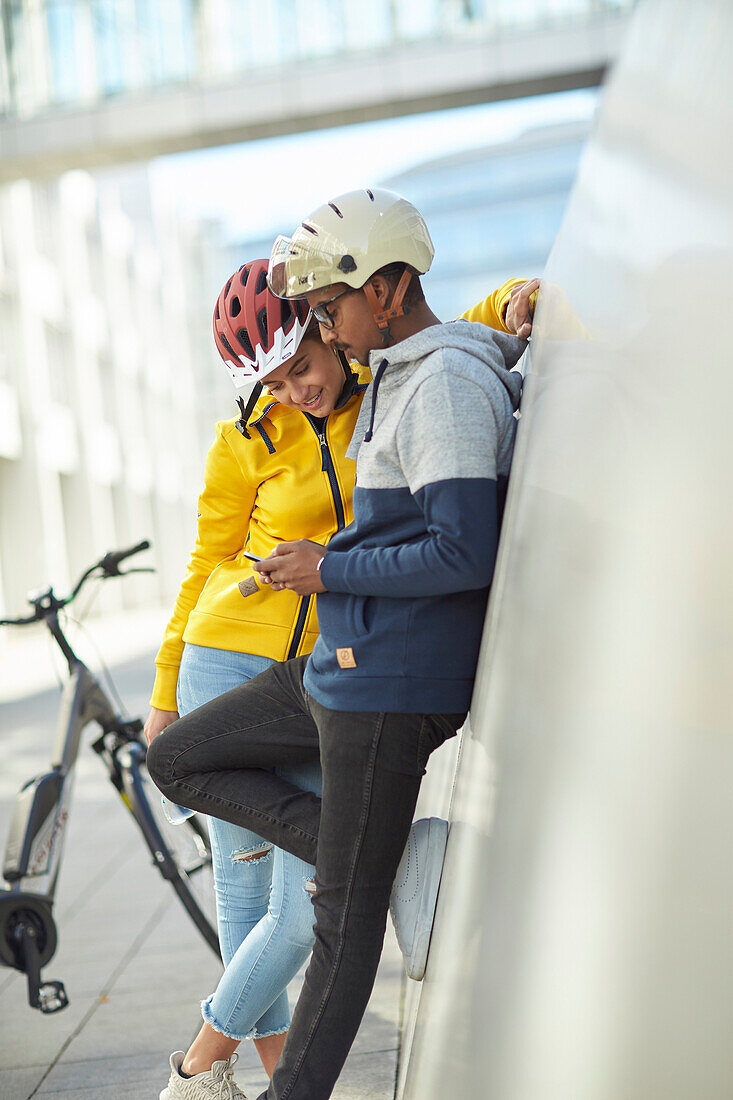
[390,368]
[498,350]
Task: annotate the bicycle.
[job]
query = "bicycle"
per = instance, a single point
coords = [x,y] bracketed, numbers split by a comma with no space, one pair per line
[181,852]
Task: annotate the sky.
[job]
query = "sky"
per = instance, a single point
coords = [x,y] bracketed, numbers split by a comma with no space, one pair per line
[264,186]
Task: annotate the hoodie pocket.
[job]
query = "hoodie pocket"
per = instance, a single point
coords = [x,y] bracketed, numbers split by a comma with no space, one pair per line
[357,615]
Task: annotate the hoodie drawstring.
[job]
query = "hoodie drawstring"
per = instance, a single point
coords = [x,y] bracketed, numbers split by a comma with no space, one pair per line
[375,386]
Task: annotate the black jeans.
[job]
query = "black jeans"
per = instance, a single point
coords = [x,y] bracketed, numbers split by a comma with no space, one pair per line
[215,759]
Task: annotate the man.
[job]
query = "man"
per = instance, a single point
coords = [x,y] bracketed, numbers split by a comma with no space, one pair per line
[402,598]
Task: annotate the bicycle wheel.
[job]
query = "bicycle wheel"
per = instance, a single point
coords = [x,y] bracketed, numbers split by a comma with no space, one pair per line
[181,853]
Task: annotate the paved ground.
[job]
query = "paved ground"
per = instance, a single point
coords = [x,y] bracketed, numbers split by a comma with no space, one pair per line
[133,965]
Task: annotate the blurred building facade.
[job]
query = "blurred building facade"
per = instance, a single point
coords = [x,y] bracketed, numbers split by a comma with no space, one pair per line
[105,380]
[89,83]
[60,53]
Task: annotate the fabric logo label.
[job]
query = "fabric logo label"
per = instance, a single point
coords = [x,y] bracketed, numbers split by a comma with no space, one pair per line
[345,658]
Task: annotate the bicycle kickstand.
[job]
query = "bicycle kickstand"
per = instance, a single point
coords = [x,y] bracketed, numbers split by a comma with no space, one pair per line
[47,996]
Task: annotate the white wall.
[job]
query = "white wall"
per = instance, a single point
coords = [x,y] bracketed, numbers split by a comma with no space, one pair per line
[583,942]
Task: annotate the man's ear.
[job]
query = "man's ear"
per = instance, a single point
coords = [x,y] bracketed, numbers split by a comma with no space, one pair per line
[382,288]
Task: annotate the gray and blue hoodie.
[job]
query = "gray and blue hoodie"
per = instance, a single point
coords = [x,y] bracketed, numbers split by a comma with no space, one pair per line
[407,582]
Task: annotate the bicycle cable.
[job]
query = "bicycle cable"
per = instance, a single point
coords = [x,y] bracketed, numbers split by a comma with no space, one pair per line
[91,600]
[102,664]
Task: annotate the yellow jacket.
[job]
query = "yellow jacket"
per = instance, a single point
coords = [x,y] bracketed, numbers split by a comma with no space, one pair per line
[283,483]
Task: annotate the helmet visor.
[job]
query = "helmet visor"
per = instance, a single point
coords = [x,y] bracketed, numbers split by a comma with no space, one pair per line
[297,267]
[277,267]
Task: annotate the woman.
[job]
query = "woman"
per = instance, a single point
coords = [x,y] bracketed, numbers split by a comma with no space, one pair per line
[276,474]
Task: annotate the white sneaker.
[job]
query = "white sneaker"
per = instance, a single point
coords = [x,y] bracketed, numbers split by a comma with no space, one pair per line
[415,892]
[217,1082]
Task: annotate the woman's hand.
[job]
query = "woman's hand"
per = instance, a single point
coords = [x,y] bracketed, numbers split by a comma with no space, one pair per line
[157,721]
[520,308]
[294,565]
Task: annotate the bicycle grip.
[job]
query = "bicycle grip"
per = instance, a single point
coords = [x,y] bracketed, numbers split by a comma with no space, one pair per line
[111,561]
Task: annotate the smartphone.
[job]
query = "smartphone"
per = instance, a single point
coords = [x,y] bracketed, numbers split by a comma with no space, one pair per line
[252,557]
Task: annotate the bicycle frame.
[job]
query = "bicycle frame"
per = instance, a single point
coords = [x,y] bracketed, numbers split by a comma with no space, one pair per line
[38,826]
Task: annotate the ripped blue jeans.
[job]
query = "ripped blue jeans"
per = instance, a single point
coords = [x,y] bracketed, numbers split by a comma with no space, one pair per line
[264,910]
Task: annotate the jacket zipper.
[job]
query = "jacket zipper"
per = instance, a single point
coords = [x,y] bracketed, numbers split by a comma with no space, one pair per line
[327,467]
[299,627]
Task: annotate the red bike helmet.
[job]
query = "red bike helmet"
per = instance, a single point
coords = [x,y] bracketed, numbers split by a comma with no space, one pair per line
[254,331]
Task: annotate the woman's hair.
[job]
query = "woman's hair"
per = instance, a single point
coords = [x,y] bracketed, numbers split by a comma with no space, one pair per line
[313,332]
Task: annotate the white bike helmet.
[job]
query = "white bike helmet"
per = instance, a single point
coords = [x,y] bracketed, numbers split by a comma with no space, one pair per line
[346,241]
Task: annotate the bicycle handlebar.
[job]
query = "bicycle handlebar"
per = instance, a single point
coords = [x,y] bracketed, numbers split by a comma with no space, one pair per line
[110,563]
[47,603]
[20,622]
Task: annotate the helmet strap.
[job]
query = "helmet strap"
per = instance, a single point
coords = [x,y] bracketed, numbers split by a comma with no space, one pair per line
[246,410]
[345,365]
[351,380]
[384,316]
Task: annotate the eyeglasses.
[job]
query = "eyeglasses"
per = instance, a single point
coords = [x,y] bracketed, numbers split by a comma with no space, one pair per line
[320,312]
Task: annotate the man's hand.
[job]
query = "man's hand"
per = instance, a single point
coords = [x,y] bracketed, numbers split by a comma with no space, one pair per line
[157,721]
[520,308]
[293,565]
